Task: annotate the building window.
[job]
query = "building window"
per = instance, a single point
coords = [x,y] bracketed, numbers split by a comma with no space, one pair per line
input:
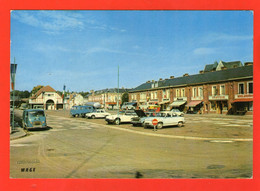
[222,90]
[240,88]
[200,91]
[182,92]
[250,87]
[194,92]
[168,94]
[177,93]
[155,95]
[214,90]
[143,96]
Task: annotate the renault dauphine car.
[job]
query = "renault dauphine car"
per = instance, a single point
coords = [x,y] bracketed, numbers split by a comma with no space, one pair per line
[165,118]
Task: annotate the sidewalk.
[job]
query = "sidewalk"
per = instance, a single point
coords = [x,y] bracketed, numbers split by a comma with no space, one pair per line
[17,132]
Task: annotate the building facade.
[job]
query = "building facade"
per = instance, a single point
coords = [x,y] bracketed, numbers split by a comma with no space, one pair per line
[46,98]
[223,88]
[107,97]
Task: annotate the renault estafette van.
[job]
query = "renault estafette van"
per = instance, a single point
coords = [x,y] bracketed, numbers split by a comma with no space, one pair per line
[34,118]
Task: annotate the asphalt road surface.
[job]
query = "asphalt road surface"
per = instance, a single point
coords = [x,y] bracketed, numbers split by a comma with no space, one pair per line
[84,148]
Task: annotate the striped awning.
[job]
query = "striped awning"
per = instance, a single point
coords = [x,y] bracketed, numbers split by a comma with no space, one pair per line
[193,103]
[163,102]
[177,103]
[243,100]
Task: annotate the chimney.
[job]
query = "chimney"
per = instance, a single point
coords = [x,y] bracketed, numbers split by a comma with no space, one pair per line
[152,80]
[160,79]
[185,74]
[202,72]
[148,81]
[171,77]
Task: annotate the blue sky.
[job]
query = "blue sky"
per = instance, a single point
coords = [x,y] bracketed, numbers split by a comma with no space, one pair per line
[82,49]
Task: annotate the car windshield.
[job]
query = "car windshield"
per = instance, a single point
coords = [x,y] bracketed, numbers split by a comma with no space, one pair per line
[36,114]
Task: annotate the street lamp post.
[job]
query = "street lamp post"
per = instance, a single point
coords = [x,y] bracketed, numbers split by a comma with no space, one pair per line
[118,92]
[13,72]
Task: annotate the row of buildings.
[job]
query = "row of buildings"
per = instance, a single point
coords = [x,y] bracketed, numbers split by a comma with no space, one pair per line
[222,88]
[49,99]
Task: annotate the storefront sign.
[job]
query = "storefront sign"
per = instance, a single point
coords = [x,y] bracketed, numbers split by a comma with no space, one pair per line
[218,97]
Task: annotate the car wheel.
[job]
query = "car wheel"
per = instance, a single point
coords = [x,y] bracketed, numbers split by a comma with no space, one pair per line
[73,115]
[159,125]
[180,124]
[93,117]
[117,121]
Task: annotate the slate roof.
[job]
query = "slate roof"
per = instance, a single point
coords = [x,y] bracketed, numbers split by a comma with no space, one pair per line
[208,77]
[210,67]
[232,64]
[112,90]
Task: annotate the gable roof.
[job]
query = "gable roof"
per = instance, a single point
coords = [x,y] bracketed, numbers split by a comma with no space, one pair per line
[233,64]
[208,77]
[43,89]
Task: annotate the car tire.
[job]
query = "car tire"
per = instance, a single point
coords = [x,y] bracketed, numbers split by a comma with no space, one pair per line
[117,121]
[93,117]
[159,125]
[180,124]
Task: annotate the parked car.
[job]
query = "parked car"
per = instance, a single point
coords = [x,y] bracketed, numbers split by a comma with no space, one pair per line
[165,118]
[136,121]
[122,117]
[129,105]
[99,113]
[178,112]
[34,118]
[77,111]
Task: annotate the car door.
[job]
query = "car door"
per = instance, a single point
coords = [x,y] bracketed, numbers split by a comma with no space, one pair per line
[174,119]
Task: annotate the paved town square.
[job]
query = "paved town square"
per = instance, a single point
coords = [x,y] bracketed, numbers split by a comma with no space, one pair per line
[208,146]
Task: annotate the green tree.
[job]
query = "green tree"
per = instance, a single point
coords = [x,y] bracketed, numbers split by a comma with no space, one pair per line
[125,97]
[36,89]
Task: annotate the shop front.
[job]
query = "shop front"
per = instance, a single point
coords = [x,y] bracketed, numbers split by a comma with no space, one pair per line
[164,105]
[194,107]
[178,104]
[242,106]
[219,104]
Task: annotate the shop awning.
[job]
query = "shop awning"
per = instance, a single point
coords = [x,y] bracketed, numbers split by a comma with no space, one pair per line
[177,103]
[193,103]
[243,100]
[163,102]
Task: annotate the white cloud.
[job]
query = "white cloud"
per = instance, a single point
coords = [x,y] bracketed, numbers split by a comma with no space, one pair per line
[51,22]
[226,37]
[204,51]
[54,22]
